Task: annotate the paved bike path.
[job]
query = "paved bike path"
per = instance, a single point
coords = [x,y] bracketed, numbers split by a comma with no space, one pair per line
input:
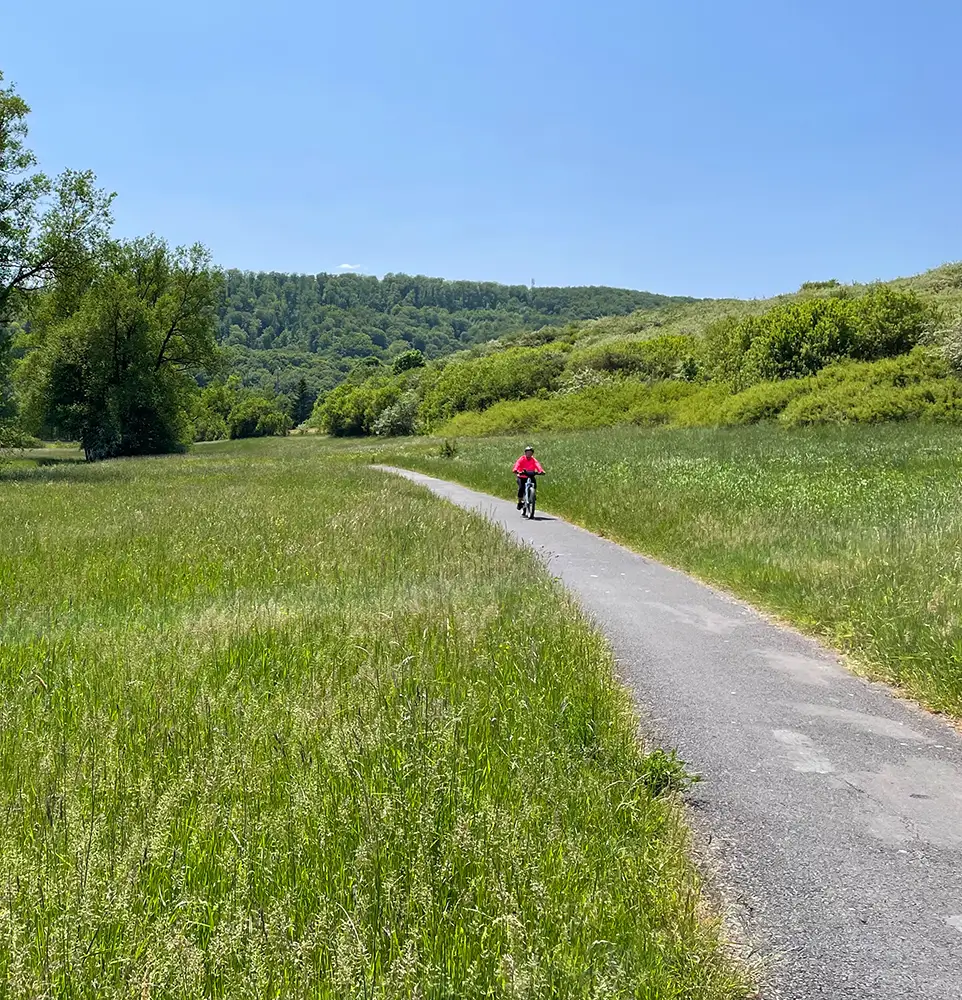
[833,811]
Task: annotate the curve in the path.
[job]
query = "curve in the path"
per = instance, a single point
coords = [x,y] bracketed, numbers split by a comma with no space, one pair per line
[834,810]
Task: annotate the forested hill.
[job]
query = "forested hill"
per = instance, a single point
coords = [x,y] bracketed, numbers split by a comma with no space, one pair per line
[347,316]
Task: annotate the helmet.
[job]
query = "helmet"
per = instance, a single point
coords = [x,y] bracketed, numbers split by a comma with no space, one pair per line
[529,447]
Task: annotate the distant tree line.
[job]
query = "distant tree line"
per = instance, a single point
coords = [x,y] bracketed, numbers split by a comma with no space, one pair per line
[279,328]
[353,315]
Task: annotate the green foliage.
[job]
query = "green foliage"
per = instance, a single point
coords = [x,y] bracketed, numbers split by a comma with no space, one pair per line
[351,315]
[257,416]
[47,226]
[407,360]
[596,406]
[658,358]
[352,410]
[225,409]
[212,409]
[398,418]
[603,382]
[279,372]
[700,406]
[917,385]
[113,361]
[302,402]
[801,338]
[476,383]
[763,401]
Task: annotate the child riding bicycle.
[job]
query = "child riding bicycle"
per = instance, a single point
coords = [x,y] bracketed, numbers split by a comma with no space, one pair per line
[526,465]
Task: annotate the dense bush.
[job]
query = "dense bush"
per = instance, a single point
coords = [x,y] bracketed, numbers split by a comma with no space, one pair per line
[407,360]
[257,416]
[225,409]
[917,385]
[657,358]
[352,410]
[762,401]
[399,418]
[476,383]
[801,338]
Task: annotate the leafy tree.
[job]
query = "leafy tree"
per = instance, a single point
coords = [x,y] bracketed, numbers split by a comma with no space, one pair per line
[45,224]
[212,409]
[257,416]
[408,360]
[302,403]
[352,410]
[399,418]
[47,228]
[114,361]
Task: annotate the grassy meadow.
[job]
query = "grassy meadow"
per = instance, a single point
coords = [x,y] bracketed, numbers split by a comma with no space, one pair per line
[276,725]
[853,533]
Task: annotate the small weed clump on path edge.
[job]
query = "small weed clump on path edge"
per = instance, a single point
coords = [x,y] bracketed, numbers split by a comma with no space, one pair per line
[275,725]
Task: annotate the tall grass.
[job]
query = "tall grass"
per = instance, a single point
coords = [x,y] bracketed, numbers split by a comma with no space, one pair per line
[854,533]
[275,725]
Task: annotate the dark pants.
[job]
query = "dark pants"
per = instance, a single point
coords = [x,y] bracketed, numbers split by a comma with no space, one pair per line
[522,482]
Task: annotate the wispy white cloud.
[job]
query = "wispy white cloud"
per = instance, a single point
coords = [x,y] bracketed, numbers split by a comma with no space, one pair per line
[349,267]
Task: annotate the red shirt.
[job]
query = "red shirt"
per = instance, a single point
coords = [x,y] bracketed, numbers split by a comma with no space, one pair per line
[525,464]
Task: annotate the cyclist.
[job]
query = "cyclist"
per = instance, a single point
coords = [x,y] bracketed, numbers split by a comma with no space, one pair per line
[526,463]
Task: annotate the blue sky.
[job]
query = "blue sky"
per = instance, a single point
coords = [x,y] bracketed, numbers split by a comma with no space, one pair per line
[699,148]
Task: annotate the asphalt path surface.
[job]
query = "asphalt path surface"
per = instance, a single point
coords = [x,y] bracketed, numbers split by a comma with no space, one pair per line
[831,810]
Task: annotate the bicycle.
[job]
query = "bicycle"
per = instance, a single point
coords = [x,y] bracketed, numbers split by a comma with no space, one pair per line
[530,495]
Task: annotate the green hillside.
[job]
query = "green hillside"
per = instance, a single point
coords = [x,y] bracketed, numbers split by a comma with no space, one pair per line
[941,286]
[827,353]
[279,328]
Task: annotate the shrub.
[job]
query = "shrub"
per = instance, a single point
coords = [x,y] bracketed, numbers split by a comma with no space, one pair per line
[210,427]
[654,359]
[763,401]
[889,322]
[702,407]
[583,378]
[407,361]
[399,418]
[801,338]
[915,386]
[353,410]
[476,383]
[660,403]
[838,404]
[257,416]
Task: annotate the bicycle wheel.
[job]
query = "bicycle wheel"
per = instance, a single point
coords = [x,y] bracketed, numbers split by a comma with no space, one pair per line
[530,500]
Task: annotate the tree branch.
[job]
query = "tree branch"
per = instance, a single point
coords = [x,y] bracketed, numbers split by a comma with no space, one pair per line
[176,320]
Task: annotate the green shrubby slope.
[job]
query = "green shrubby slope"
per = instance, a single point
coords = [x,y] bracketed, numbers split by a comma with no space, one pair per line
[732,364]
